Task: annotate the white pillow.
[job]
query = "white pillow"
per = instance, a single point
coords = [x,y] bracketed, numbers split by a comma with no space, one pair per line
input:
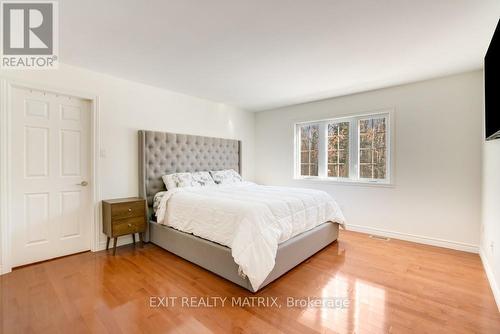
[227,176]
[202,179]
[177,180]
[180,180]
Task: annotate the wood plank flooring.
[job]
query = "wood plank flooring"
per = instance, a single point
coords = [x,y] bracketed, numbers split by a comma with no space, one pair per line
[390,287]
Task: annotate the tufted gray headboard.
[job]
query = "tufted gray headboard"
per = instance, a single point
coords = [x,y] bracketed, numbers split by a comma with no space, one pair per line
[163,153]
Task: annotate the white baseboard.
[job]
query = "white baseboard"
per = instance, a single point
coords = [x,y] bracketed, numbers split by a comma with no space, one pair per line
[125,240]
[491,278]
[102,246]
[416,238]
[5,270]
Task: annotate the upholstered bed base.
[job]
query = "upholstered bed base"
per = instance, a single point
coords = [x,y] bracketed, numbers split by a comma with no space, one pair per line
[163,153]
[217,258]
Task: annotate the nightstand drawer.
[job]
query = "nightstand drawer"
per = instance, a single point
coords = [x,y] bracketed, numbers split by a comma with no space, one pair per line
[128,226]
[126,210]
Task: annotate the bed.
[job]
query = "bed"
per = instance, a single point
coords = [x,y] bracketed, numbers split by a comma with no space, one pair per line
[163,153]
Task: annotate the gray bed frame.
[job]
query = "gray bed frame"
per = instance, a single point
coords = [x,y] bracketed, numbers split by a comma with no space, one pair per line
[163,153]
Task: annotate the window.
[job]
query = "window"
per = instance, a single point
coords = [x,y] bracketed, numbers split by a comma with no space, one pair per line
[338,149]
[372,148]
[309,147]
[353,148]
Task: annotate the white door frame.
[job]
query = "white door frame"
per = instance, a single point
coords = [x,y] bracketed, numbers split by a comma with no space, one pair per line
[6,86]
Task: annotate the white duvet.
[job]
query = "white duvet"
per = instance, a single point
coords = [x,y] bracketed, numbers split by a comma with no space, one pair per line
[248,218]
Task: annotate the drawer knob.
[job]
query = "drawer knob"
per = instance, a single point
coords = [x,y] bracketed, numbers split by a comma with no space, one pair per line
[129,209]
[129,225]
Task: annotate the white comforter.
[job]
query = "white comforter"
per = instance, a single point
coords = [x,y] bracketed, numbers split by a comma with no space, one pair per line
[248,218]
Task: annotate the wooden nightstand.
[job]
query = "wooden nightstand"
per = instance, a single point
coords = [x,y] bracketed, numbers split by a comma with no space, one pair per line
[123,216]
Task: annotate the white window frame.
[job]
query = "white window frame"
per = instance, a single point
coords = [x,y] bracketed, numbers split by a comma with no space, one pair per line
[354,169]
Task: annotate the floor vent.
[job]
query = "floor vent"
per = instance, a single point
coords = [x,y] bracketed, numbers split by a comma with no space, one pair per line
[379,237]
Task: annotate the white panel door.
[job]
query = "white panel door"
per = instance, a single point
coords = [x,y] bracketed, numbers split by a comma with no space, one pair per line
[51,203]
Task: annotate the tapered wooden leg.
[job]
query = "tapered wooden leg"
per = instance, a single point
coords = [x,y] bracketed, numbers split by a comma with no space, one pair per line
[133,238]
[114,245]
[141,239]
[107,242]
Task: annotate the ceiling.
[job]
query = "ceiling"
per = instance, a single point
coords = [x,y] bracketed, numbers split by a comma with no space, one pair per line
[263,54]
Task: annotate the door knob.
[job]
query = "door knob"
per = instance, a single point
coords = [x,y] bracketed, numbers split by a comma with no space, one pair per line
[83,184]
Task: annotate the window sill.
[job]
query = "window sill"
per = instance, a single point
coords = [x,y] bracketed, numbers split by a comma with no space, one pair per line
[382,184]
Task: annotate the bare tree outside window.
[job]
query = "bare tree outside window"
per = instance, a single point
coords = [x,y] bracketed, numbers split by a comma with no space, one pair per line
[338,149]
[309,146]
[372,148]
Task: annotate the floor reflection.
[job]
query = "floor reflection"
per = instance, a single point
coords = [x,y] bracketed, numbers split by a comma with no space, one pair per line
[350,304]
[392,286]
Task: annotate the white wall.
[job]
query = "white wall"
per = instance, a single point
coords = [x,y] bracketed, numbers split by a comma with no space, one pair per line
[127,106]
[437,190]
[490,236]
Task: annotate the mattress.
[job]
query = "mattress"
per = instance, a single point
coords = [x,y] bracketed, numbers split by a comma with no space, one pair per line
[252,220]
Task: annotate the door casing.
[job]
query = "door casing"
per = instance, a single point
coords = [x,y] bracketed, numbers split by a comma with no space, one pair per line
[6,86]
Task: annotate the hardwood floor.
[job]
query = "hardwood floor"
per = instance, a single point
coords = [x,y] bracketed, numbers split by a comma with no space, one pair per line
[390,287]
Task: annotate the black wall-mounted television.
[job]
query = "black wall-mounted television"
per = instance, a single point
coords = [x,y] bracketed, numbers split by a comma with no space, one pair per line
[492,87]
